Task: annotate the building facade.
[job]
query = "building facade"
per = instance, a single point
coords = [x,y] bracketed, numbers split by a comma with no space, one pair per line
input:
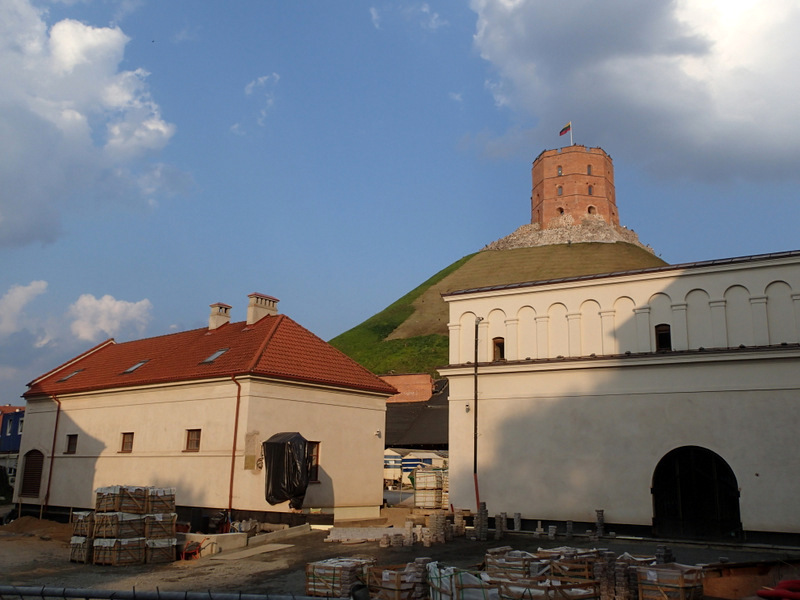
[666,397]
[191,411]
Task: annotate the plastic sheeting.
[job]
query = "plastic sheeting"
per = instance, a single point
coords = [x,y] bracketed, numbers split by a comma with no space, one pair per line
[286,468]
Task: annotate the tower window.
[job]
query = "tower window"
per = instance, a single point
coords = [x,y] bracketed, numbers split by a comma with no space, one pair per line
[591,190]
[499,348]
[560,171]
[560,210]
[592,210]
[588,169]
[559,190]
[663,338]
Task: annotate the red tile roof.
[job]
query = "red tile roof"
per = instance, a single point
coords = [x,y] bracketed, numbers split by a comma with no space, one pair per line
[10,409]
[414,387]
[275,347]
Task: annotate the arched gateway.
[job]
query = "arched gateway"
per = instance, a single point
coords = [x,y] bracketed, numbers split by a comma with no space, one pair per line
[695,495]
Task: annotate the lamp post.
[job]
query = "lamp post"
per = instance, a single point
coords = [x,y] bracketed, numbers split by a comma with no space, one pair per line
[475,418]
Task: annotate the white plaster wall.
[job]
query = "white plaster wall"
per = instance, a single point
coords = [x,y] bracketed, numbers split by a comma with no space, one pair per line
[351,456]
[560,441]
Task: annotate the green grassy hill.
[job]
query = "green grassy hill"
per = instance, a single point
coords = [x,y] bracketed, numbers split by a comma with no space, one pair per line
[410,335]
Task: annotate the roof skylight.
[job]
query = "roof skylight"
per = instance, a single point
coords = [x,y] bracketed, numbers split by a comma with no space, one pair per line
[68,376]
[215,356]
[136,366]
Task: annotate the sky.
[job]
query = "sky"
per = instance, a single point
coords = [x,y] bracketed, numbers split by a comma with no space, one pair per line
[157,157]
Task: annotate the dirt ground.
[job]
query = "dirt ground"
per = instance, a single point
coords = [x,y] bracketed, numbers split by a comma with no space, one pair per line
[34,552]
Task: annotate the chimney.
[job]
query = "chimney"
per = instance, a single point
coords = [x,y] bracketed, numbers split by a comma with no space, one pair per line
[220,315]
[260,306]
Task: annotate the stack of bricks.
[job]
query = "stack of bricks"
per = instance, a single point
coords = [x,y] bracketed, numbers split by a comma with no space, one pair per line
[437,524]
[481,524]
[406,582]
[130,525]
[428,488]
[333,578]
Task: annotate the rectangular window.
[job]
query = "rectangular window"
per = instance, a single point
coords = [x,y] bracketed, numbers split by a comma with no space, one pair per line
[192,440]
[127,442]
[312,452]
[72,443]
[9,426]
[19,431]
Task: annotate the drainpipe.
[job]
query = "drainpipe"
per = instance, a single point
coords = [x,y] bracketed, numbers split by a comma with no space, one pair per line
[52,457]
[235,435]
[475,419]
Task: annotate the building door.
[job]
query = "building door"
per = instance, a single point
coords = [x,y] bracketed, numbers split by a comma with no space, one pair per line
[31,474]
[695,496]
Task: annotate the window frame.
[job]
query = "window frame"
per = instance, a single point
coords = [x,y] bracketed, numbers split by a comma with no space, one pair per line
[126,442]
[189,445]
[72,444]
[663,337]
[312,454]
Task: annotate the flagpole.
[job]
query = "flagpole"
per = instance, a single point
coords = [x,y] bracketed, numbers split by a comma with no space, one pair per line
[570,133]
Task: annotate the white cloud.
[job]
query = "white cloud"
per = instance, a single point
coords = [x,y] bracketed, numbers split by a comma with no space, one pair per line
[69,119]
[432,20]
[708,86]
[107,315]
[265,85]
[13,303]
[375,16]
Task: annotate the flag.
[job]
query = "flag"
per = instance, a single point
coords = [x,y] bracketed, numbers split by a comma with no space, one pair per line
[566,128]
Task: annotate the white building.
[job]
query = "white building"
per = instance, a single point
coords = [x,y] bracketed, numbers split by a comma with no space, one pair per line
[668,397]
[191,411]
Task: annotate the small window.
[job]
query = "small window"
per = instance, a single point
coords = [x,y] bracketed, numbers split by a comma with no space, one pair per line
[560,171]
[136,366]
[499,348]
[127,442]
[559,190]
[663,338]
[72,443]
[215,356]
[560,210]
[19,429]
[9,426]
[193,440]
[591,190]
[592,210]
[312,454]
[588,169]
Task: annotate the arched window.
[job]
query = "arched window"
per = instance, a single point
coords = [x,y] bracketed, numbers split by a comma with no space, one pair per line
[591,190]
[560,210]
[32,466]
[498,349]
[559,190]
[592,210]
[560,171]
[588,169]
[663,338]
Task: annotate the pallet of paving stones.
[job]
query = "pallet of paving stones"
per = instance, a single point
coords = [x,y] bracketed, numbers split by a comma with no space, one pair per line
[119,525]
[118,552]
[80,549]
[451,583]
[160,500]
[333,577]
[122,498]
[509,565]
[670,582]
[160,550]
[160,526]
[426,498]
[547,587]
[428,479]
[399,582]
[82,523]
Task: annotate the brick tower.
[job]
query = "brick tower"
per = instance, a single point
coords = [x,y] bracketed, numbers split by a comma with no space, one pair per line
[575,182]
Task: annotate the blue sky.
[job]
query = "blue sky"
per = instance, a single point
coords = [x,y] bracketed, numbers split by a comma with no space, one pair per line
[156,157]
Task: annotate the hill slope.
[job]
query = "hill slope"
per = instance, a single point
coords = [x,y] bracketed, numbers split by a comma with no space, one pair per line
[410,335]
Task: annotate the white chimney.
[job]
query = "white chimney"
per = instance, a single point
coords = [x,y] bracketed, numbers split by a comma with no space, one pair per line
[220,315]
[260,306]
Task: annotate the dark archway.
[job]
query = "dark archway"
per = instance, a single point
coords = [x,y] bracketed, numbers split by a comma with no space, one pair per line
[696,496]
[32,466]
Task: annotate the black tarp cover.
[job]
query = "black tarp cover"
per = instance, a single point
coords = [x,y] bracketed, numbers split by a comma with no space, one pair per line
[286,468]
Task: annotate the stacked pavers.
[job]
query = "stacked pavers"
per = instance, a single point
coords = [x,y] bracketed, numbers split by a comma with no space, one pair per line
[333,578]
[130,525]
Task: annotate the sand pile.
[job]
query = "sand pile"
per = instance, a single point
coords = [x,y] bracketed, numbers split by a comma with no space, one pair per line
[39,527]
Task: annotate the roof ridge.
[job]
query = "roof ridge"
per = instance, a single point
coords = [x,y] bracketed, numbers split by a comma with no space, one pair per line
[263,347]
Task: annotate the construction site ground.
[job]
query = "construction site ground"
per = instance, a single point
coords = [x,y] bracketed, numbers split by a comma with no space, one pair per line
[37,553]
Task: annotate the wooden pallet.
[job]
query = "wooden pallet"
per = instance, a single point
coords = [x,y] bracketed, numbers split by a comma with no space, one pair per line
[118,552]
[160,526]
[121,498]
[118,525]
